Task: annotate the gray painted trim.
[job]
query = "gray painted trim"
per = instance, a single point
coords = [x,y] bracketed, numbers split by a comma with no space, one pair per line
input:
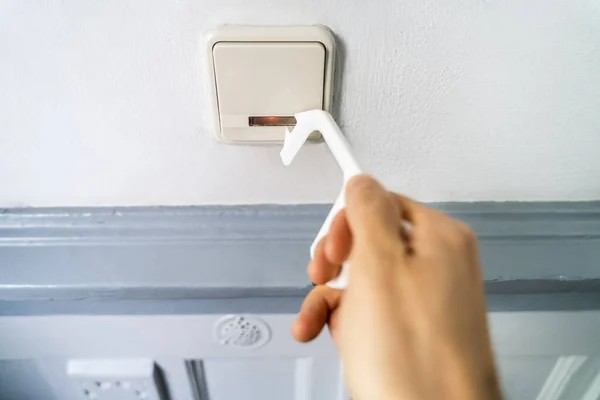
[268,305]
[261,251]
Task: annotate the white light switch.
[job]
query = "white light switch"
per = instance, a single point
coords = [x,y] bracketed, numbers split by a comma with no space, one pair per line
[262,76]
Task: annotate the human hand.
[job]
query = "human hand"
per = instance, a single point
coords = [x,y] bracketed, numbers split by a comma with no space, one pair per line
[412,322]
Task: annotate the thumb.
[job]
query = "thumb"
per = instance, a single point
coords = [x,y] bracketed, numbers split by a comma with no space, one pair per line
[373,216]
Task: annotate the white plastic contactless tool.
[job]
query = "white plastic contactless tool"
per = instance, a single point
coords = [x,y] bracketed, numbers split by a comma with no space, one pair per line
[319,120]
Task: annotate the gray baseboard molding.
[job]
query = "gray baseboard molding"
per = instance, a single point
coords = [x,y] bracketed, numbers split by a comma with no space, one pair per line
[530,251]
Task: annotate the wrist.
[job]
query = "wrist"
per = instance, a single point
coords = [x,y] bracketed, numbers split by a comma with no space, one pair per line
[473,379]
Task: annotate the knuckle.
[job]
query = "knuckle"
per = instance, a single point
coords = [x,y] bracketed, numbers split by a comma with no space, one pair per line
[390,251]
[465,237]
[459,236]
[381,251]
[373,201]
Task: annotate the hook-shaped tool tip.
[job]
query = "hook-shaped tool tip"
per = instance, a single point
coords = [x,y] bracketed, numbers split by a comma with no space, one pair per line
[289,150]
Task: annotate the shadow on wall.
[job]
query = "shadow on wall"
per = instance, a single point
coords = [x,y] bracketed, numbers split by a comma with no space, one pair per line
[21,380]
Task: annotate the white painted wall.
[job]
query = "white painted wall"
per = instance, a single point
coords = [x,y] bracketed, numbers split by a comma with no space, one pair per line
[103,102]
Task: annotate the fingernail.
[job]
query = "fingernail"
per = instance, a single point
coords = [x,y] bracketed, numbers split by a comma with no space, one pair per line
[360,182]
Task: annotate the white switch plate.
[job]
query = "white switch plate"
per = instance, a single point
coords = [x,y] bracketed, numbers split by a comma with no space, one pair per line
[267,72]
[118,379]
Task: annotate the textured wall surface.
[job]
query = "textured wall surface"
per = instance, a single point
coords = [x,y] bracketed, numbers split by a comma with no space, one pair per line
[103,103]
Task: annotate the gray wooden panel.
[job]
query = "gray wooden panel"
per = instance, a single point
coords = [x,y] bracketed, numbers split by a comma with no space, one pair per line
[249,251]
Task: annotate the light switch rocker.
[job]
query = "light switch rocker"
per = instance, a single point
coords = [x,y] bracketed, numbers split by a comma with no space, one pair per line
[319,120]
